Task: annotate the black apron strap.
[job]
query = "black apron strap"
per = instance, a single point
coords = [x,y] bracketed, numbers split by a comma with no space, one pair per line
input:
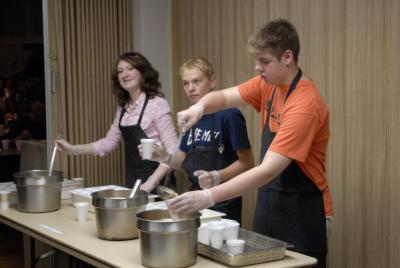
[143,108]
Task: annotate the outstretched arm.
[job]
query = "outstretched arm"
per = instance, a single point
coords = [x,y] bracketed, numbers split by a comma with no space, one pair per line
[210,103]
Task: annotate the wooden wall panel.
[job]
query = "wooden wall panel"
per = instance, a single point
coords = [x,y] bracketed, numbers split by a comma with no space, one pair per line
[350,48]
[391,116]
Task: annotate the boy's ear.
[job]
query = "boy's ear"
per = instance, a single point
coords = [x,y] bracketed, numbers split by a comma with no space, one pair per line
[213,81]
[287,57]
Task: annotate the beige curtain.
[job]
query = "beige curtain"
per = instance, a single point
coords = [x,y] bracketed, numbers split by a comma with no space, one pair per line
[85,37]
[350,48]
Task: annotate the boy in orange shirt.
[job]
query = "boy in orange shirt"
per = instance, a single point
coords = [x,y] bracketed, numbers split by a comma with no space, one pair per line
[293,201]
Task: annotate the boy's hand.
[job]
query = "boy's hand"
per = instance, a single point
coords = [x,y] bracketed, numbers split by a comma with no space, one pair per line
[207,179]
[187,118]
[190,202]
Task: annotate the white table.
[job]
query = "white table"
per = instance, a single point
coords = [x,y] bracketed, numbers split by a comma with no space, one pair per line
[60,230]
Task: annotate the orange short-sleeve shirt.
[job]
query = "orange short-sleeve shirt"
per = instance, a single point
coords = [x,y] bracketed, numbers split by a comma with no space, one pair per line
[301,125]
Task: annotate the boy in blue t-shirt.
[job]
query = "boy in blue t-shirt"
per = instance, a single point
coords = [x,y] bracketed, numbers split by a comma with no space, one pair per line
[217,148]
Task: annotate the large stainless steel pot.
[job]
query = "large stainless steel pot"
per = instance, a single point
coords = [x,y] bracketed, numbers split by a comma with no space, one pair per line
[37,191]
[116,213]
[165,242]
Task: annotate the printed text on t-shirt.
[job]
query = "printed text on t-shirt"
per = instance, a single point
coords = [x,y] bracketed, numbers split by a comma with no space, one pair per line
[201,135]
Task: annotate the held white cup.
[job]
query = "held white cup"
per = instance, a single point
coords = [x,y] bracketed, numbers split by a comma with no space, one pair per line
[173,215]
[81,211]
[5,144]
[235,246]
[147,146]
[216,233]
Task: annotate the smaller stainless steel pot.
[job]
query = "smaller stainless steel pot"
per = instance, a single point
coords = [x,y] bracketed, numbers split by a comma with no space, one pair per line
[116,213]
[165,242]
[37,191]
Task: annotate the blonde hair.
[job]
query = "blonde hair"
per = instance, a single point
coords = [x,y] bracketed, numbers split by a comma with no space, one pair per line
[204,65]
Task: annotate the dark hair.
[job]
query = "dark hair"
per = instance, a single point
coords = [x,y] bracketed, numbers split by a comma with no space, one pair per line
[149,84]
[278,36]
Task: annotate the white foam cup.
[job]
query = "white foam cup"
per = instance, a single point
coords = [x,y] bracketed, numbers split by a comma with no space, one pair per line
[4,199]
[18,144]
[81,211]
[219,223]
[81,181]
[231,230]
[235,246]
[216,233]
[203,234]
[5,144]
[147,147]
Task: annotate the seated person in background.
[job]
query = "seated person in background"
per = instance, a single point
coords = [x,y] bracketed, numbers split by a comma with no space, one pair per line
[11,105]
[29,126]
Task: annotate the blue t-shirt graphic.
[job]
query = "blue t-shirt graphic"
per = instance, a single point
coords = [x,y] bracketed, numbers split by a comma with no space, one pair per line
[225,130]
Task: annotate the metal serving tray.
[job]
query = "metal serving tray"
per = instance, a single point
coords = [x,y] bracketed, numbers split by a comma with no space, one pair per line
[258,249]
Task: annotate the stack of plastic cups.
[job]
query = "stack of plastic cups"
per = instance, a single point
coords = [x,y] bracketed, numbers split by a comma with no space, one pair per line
[4,199]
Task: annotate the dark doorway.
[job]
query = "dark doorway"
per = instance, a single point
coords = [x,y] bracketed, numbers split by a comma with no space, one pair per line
[22,79]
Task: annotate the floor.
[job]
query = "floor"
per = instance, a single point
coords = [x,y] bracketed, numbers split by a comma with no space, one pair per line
[11,248]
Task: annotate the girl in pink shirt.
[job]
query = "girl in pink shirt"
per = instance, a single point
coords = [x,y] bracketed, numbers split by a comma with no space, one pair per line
[143,112]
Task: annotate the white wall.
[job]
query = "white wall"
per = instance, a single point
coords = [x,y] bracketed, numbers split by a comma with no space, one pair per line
[152,37]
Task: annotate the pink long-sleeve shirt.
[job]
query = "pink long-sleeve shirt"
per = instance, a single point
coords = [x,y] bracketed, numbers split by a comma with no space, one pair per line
[156,123]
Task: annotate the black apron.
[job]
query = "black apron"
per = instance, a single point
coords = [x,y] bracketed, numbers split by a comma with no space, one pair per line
[208,159]
[135,167]
[290,207]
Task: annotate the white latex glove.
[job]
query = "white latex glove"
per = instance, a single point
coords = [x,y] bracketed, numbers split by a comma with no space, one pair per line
[66,147]
[187,118]
[207,179]
[190,202]
[158,155]
[329,223]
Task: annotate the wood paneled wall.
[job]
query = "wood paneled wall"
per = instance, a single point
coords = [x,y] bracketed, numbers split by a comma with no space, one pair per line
[350,48]
[85,39]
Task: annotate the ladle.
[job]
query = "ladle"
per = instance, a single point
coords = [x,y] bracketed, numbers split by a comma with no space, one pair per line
[135,188]
[166,193]
[53,156]
[163,191]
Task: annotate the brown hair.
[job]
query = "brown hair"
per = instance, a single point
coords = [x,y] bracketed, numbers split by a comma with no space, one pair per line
[278,36]
[149,84]
[204,65]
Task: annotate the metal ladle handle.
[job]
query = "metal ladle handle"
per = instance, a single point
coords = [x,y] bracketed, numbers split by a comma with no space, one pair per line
[53,156]
[171,166]
[135,188]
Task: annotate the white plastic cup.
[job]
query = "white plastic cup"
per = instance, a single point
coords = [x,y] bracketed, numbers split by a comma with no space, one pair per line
[147,147]
[203,234]
[5,144]
[231,230]
[173,215]
[18,144]
[235,246]
[81,211]
[81,181]
[219,223]
[216,233]
[4,200]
